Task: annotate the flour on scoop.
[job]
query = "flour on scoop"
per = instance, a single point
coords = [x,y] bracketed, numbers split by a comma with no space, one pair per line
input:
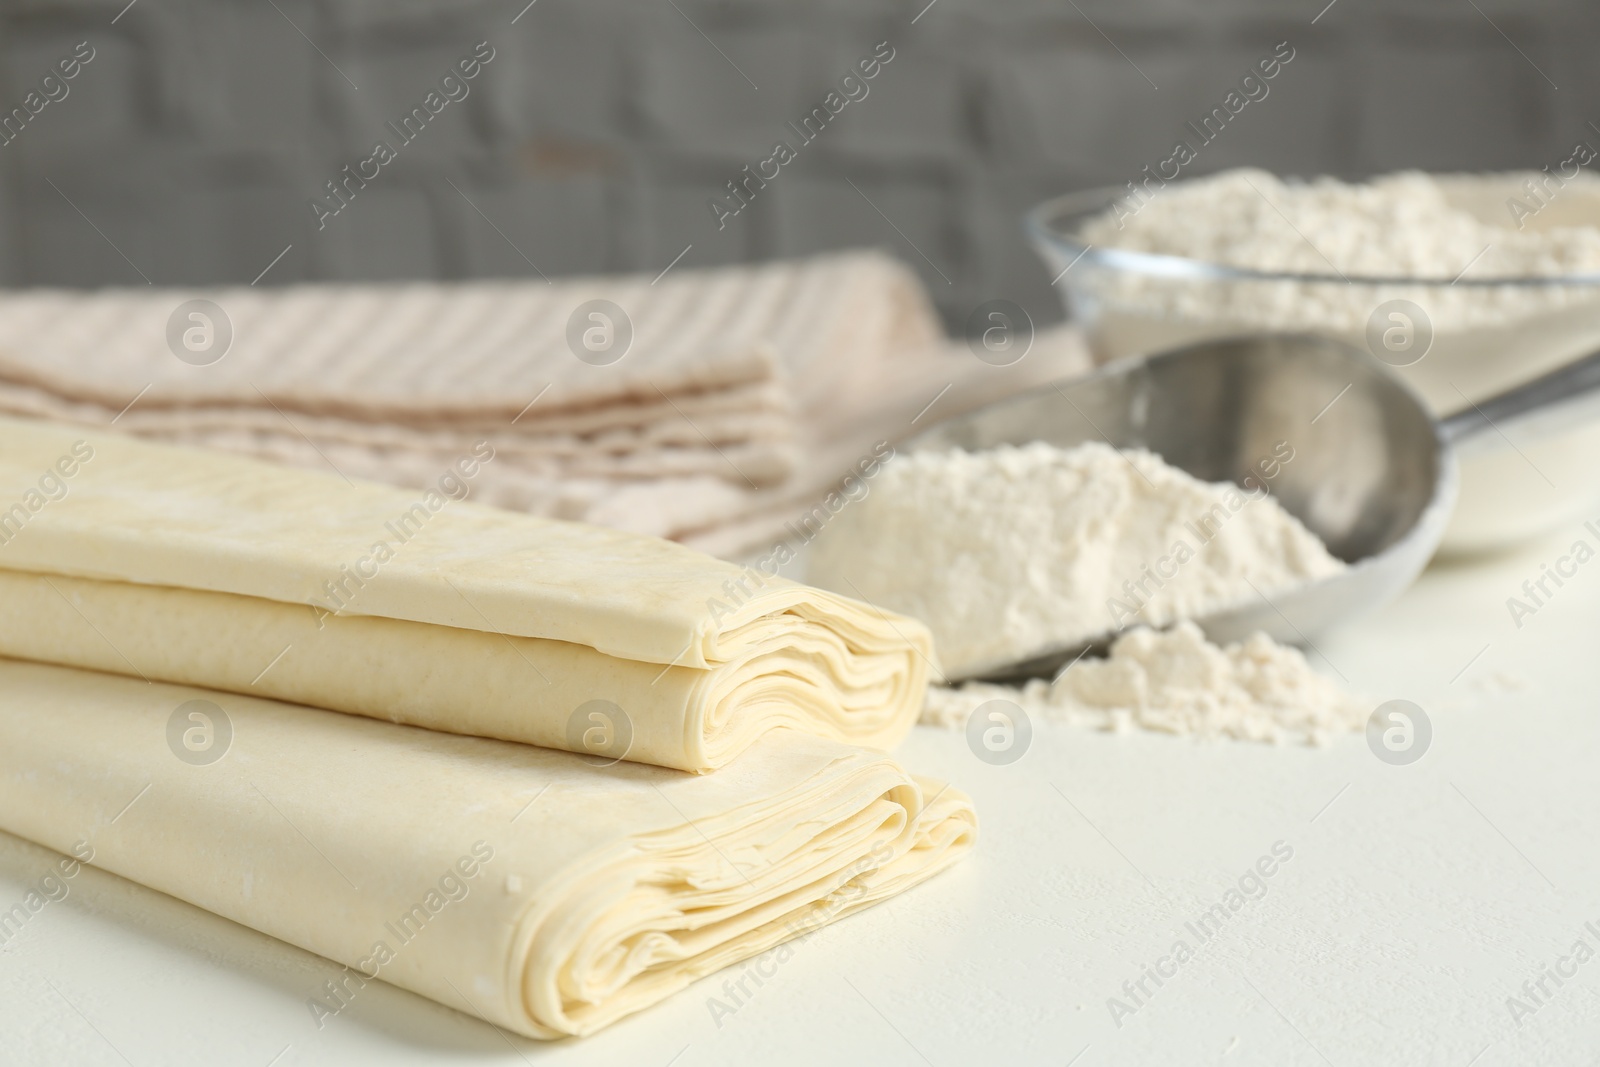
[1017,551]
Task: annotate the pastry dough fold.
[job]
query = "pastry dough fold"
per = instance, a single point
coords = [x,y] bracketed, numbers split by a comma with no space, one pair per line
[213,570]
[529,887]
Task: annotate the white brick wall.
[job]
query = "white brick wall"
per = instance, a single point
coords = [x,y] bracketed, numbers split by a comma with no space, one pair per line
[593,140]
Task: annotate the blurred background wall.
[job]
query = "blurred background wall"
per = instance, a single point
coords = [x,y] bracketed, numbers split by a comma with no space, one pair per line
[187,151]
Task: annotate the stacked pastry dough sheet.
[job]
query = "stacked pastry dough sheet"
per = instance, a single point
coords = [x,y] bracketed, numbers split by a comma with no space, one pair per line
[663,405]
[719,791]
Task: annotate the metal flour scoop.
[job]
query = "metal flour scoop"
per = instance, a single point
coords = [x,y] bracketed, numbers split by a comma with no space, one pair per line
[1373,474]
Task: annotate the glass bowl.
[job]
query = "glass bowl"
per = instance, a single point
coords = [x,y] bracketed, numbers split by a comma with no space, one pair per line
[1456,340]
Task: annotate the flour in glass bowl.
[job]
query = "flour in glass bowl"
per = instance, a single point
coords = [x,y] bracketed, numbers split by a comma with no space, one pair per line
[1404,225]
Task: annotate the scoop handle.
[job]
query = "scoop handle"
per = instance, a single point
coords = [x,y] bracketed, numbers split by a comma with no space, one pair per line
[1565,397]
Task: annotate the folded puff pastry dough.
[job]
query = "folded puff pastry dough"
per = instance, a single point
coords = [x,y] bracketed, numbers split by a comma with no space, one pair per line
[209,569]
[528,887]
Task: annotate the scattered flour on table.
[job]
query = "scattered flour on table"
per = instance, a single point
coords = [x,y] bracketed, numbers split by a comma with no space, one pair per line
[1499,682]
[1177,682]
[1017,551]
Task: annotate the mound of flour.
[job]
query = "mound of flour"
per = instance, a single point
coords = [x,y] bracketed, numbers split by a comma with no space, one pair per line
[1405,225]
[1013,552]
[1178,682]
[1400,225]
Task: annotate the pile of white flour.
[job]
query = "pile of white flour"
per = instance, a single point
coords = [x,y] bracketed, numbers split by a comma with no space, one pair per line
[1017,551]
[1406,225]
[1178,682]
[1013,552]
[1400,225]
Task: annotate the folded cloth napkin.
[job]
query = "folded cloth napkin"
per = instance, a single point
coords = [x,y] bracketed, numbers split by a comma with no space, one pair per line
[525,886]
[212,569]
[696,380]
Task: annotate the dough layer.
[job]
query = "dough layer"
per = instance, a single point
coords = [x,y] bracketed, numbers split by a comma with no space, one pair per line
[210,569]
[529,887]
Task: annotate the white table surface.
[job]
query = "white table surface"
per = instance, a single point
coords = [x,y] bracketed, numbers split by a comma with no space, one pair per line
[1418,899]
